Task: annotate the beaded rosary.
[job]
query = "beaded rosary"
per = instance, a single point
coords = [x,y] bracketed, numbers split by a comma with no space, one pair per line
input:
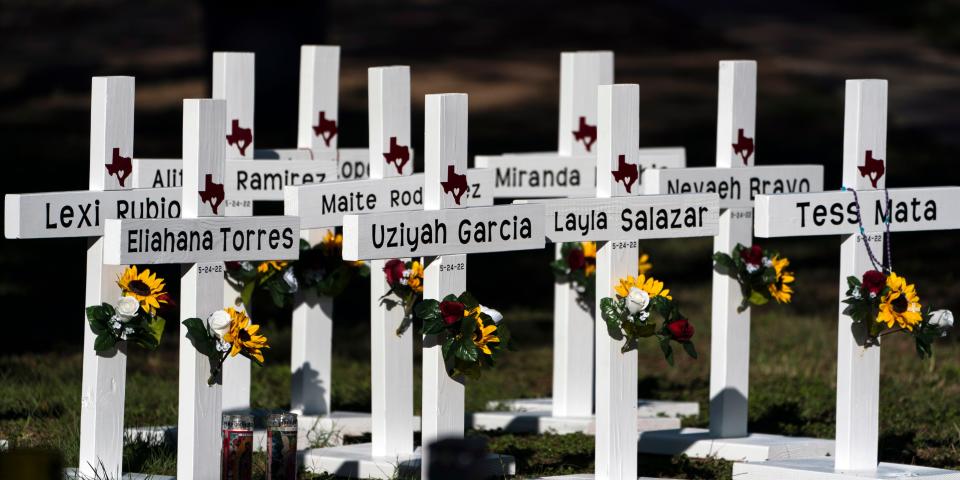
[886,266]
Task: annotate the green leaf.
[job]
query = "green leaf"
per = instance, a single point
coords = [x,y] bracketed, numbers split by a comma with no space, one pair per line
[200,338]
[758,298]
[690,349]
[246,295]
[612,317]
[667,350]
[447,347]
[724,265]
[465,350]
[154,327]
[466,298]
[104,342]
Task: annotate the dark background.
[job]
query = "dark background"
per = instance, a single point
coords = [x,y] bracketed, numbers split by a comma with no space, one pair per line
[505,54]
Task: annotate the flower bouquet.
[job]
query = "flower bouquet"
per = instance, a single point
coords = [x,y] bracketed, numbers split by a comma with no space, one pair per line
[323,268]
[274,276]
[134,318]
[471,335]
[628,316]
[226,332]
[885,303]
[577,266]
[762,274]
[406,288]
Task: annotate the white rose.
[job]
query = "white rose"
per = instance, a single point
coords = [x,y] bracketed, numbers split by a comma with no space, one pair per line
[219,323]
[494,315]
[942,319]
[291,280]
[127,308]
[637,300]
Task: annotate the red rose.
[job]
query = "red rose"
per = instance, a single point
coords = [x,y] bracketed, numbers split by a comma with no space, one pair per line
[576,260]
[394,271]
[452,312]
[873,282]
[752,255]
[681,330]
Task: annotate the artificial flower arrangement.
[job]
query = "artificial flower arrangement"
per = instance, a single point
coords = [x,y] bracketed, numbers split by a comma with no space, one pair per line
[226,333]
[405,280]
[628,315]
[320,267]
[577,266]
[885,303]
[762,274]
[134,318]
[471,335]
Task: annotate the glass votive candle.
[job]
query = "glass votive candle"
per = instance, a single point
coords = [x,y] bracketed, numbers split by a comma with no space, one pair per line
[236,457]
[282,446]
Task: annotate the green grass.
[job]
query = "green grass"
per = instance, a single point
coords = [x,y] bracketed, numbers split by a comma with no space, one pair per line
[792,391]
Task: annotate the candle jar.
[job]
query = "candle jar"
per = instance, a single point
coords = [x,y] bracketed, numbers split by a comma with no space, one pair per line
[282,446]
[236,457]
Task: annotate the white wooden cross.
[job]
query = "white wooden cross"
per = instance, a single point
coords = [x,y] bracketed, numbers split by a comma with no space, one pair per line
[392,187]
[737,181]
[82,214]
[447,229]
[835,213]
[201,240]
[571,172]
[630,218]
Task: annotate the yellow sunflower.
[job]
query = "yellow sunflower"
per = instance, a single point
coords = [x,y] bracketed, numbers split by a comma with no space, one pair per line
[483,335]
[145,286]
[780,290]
[332,240]
[650,285]
[643,264]
[901,305]
[242,335]
[415,281]
[590,257]
[265,267]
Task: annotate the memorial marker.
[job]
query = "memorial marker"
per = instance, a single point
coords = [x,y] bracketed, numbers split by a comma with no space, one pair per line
[439,226]
[737,182]
[571,172]
[832,213]
[83,214]
[201,240]
[634,218]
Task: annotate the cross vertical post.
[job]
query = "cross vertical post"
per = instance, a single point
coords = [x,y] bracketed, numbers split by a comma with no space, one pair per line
[858,365]
[580,75]
[730,335]
[618,126]
[104,376]
[311,352]
[445,147]
[391,362]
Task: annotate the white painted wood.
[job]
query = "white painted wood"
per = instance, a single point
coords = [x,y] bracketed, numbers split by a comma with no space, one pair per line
[265,180]
[730,337]
[103,384]
[82,213]
[573,354]
[737,187]
[324,205]
[319,87]
[618,111]
[629,218]
[858,364]
[391,362]
[199,405]
[311,352]
[389,106]
[441,232]
[234,81]
[752,447]
[823,469]
[645,408]
[445,143]
[157,172]
[545,422]
[111,132]
[354,163]
[209,238]
[580,75]
[834,213]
